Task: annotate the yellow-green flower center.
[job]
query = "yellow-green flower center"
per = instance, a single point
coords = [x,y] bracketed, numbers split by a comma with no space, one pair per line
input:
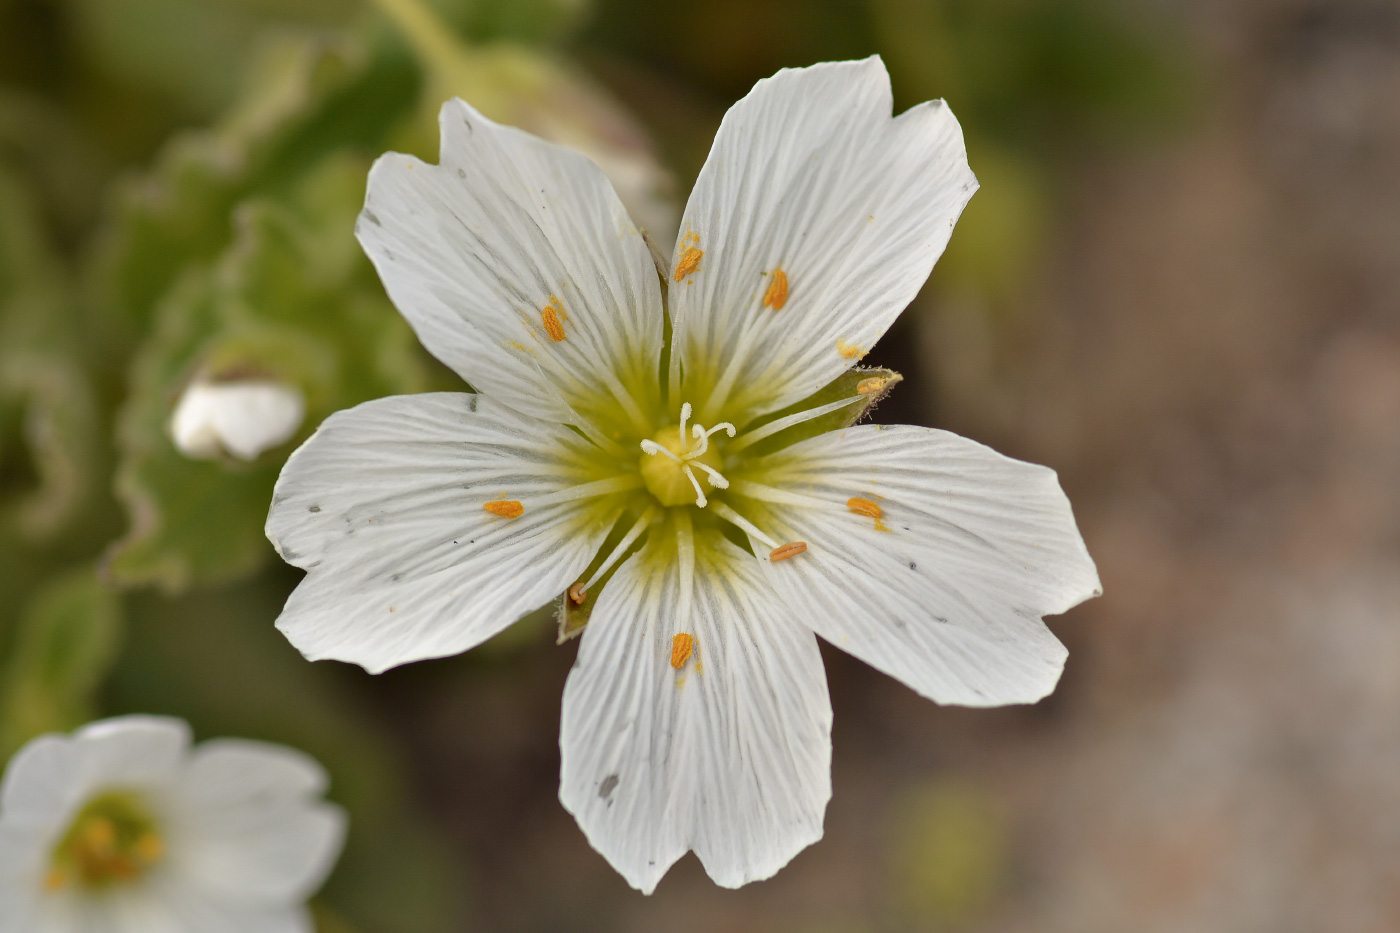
[113,840]
[672,479]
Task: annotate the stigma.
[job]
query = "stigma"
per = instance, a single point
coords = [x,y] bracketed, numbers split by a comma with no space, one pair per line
[671,458]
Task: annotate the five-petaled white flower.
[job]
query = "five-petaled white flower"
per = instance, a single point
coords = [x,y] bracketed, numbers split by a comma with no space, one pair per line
[122,828]
[643,443]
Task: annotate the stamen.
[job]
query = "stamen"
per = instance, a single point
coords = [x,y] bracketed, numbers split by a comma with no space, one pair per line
[505,508]
[577,594]
[791,549]
[635,532]
[598,487]
[773,427]
[742,523]
[681,646]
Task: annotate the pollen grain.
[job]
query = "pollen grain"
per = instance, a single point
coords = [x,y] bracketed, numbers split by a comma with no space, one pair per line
[681,647]
[505,508]
[873,384]
[552,324]
[784,551]
[777,293]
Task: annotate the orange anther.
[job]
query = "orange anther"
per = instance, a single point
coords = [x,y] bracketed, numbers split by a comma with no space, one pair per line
[681,646]
[578,594]
[505,508]
[777,291]
[866,507]
[551,314]
[689,262]
[783,552]
[873,384]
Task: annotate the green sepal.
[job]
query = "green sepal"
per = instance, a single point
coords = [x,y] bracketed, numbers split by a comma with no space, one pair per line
[292,300]
[65,641]
[877,383]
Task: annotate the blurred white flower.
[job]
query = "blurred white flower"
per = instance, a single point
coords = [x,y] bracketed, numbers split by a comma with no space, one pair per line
[653,474]
[239,418]
[123,828]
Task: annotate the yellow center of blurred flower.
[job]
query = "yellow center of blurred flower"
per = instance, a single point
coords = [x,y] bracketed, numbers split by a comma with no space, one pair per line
[113,840]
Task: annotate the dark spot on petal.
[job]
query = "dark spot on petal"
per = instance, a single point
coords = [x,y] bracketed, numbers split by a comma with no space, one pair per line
[462,173]
[606,788]
[913,566]
[370,216]
[471,403]
[314,508]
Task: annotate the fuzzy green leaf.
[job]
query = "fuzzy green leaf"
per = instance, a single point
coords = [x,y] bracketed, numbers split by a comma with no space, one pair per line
[65,641]
[292,300]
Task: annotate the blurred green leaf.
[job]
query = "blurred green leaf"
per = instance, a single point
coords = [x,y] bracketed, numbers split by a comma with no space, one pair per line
[532,21]
[949,853]
[191,53]
[48,421]
[292,300]
[1002,235]
[308,97]
[64,643]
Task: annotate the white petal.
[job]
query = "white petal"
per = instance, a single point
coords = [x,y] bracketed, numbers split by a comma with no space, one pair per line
[473,250]
[810,174]
[224,772]
[250,827]
[253,854]
[384,507]
[23,863]
[242,418]
[52,775]
[946,591]
[730,756]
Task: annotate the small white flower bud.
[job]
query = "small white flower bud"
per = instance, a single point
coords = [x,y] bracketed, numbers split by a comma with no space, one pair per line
[239,418]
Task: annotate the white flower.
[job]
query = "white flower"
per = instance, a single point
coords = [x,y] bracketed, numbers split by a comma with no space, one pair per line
[122,828]
[241,418]
[647,477]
